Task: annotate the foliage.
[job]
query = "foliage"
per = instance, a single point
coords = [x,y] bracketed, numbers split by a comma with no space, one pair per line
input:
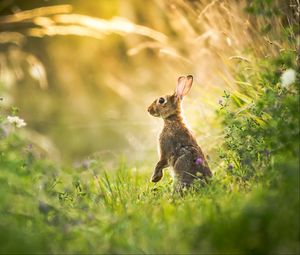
[255,129]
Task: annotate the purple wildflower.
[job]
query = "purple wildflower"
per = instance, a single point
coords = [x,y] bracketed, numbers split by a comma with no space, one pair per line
[43,207]
[230,166]
[267,152]
[199,161]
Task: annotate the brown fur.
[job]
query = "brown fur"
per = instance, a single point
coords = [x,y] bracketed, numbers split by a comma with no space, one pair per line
[178,147]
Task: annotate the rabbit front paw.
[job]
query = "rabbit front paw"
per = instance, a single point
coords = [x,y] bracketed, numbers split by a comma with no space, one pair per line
[156,176]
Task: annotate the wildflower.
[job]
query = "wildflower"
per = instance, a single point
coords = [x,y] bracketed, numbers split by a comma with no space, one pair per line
[220,102]
[15,120]
[230,166]
[267,152]
[288,77]
[43,207]
[199,161]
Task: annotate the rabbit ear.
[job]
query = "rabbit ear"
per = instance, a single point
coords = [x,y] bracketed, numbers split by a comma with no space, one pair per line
[184,85]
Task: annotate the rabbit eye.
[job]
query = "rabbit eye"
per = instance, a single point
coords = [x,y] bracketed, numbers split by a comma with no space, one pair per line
[161,100]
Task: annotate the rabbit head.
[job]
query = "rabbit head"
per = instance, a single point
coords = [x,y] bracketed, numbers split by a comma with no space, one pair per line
[169,105]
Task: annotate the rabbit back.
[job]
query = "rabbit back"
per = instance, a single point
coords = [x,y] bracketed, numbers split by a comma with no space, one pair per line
[184,155]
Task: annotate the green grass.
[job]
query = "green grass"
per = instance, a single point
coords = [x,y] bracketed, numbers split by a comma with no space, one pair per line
[46,209]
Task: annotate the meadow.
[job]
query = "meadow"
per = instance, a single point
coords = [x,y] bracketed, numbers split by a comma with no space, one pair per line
[83,185]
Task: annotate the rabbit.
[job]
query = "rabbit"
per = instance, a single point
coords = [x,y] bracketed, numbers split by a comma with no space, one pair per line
[177,146]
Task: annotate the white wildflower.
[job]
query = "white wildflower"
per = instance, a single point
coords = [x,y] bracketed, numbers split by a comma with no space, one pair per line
[15,120]
[288,77]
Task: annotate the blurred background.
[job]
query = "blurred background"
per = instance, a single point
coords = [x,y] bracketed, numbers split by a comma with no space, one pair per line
[82,73]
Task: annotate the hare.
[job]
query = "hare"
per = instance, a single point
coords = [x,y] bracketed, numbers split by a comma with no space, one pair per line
[177,146]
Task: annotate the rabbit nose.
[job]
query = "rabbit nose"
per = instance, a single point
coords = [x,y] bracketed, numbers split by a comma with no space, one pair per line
[150,110]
